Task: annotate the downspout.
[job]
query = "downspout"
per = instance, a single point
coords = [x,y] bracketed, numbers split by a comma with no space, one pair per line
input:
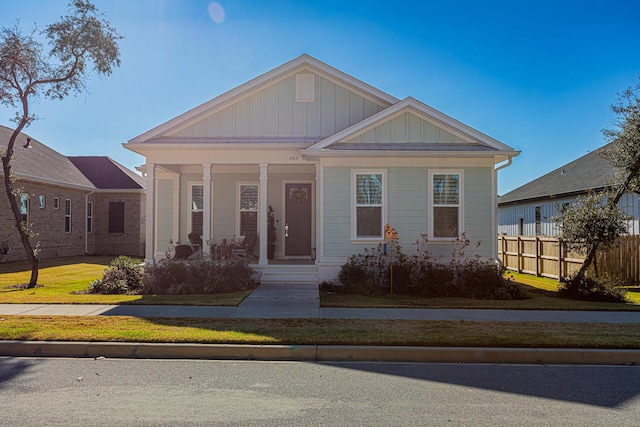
[86,216]
[494,206]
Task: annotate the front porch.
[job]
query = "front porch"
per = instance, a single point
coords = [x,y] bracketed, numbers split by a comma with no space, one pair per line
[224,203]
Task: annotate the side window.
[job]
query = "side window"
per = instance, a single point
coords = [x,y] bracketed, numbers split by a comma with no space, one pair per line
[89,217]
[368,204]
[446,204]
[24,209]
[248,209]
[538,221]
[67,216]
[116,217]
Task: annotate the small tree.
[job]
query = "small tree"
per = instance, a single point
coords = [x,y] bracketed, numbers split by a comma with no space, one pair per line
[591,222]
[623,154]
[79,42]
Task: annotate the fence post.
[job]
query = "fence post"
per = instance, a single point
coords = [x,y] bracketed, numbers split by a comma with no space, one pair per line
[559,258]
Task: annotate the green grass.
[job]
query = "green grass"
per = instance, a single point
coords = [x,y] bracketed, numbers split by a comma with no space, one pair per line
[320,332]
[540,294]
[60,278]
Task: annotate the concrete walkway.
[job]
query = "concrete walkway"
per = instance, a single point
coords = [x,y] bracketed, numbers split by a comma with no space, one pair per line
[302,301]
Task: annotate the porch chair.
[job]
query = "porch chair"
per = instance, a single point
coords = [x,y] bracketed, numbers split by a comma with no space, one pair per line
[183,252]
[245,249]
[196,246]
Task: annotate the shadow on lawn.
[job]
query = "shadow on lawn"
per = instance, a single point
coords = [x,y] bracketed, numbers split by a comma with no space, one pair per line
[18,266]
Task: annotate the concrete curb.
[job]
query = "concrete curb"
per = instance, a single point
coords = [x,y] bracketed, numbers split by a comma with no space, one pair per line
[312,353]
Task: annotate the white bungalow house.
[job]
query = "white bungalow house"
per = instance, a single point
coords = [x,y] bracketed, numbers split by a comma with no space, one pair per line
[336,158]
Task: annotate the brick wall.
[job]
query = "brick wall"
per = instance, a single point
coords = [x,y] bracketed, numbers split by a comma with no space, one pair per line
[48,223]
[132,241]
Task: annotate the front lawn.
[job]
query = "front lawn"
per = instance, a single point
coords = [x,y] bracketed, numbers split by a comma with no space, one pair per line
[320,332]
[61,277]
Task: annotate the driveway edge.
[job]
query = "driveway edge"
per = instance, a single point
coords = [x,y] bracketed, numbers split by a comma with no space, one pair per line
[321,353]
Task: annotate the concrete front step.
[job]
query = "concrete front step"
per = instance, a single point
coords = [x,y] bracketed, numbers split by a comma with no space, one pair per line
[289,274]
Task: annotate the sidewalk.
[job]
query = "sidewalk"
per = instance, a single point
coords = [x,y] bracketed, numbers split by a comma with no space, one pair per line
[286,301]
[290,310]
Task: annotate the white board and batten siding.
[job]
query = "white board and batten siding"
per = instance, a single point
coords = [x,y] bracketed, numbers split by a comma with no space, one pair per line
[333,109]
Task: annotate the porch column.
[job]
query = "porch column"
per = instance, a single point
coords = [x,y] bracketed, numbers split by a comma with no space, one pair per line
[262,214]
[150,230]
[206,214]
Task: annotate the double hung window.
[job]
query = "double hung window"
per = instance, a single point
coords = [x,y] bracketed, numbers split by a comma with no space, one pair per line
[67,216]
[446,204]
[247,208]
[369,204]
[197,208]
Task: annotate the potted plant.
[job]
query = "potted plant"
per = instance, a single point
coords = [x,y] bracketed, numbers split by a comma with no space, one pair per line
[271,232]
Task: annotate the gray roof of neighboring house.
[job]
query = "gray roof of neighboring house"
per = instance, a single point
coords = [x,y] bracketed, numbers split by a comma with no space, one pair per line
[41,163]
[589,172]
[106,173]
[38,162]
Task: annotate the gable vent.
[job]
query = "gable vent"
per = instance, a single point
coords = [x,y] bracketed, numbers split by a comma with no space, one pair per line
[305,87]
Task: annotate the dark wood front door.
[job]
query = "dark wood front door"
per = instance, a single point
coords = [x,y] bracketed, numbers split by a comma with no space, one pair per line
[297,220]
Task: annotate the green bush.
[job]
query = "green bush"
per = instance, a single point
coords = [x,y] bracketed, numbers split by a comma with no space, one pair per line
[423,275]
[176,277]
[592,289]
[124,275]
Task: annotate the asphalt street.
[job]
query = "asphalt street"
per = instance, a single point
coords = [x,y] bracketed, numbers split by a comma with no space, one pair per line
[124,392]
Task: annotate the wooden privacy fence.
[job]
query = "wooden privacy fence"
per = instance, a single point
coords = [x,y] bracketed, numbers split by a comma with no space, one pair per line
[549,257]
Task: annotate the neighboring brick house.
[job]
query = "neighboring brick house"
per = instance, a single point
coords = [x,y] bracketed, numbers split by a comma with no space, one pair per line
[75,205]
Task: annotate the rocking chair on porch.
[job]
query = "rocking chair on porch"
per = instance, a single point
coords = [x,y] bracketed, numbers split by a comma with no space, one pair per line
[245,249]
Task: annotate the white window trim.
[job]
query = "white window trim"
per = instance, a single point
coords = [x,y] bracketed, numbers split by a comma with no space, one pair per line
[89,217]
[354,216]
[56,203]
[24,198]
[237,207]
[70,216]
[190,186]
[460,204]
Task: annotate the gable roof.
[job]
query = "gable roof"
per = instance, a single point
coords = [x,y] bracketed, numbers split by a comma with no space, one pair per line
[467,138]
[41,163]
[302,63]
[106,173]
[37,162]
[589,172]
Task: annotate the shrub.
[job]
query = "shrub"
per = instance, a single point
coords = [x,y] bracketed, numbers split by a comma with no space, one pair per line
[592,289]
[123,276]
[467,275]
[175,277]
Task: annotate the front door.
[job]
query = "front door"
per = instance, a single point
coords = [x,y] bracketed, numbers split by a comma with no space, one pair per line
[297,224]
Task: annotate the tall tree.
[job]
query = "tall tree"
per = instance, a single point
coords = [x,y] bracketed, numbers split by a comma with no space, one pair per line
[79,43]
[623,153]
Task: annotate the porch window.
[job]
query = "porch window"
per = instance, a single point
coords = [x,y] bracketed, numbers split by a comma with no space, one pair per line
[248,209]
[197,208]
[369,197]
[446,204]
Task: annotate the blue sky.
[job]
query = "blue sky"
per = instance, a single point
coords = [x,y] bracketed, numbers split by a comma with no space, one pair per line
[537,75]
